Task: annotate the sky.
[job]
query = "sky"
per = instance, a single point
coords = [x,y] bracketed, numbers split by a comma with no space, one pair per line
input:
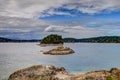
[35,19]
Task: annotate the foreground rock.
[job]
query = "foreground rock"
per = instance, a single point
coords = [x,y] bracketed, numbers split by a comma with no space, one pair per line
[60,50]
[113,74]
[47,72]
[40,72]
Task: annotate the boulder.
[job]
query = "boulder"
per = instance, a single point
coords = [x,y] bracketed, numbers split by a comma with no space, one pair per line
[40,72]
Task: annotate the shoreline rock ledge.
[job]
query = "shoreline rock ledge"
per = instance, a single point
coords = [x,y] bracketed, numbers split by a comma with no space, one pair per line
[60,50]
[49,72]
[40,72]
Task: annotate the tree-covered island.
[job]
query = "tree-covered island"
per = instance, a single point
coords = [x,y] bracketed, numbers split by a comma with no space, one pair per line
[52,39]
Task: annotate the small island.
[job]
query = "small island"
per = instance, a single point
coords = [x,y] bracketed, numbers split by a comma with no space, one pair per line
[60,50]
[52,40]
[55,40]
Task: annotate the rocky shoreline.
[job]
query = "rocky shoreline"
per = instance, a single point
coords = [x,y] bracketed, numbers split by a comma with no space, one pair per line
[60,50]
[50,72]
[39,72]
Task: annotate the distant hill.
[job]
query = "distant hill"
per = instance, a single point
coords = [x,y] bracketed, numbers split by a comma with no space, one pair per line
[14,40]
[103,39]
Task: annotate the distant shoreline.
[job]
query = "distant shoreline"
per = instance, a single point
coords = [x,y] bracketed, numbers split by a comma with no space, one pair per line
[103,39]
[58,44]
[64,43]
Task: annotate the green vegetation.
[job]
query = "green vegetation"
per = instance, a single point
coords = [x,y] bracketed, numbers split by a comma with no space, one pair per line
[69,40]
[109,77]
[52,39]
[57,39]
[15,40]
[104,39]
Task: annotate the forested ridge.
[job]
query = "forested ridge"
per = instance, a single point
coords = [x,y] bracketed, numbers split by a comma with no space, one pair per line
[57,39]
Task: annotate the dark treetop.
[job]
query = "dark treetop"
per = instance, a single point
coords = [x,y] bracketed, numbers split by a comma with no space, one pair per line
[52,39]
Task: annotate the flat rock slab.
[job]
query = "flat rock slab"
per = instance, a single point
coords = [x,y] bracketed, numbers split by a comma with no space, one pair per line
[60,50]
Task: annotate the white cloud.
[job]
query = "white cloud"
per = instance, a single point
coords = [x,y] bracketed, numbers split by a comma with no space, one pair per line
[19,27]
[21,22]
[17,17]
[27,8]
[94,6]
[68,29]
[54,28]
[35,8]
[75,31]
[13,24]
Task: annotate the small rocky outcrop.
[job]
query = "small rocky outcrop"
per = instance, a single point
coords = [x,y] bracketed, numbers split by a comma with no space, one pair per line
[40,72]
[60,50]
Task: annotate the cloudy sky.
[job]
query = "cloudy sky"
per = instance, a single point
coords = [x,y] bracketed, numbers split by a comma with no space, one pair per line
[34,19]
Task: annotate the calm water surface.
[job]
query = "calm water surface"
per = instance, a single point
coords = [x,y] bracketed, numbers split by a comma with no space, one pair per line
[87,57]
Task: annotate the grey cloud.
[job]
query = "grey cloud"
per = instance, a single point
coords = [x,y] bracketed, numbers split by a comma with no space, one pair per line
[13,24]
[13,27]
[14,21]
[27,8]
[94,6]
[81,30]
[35,8]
